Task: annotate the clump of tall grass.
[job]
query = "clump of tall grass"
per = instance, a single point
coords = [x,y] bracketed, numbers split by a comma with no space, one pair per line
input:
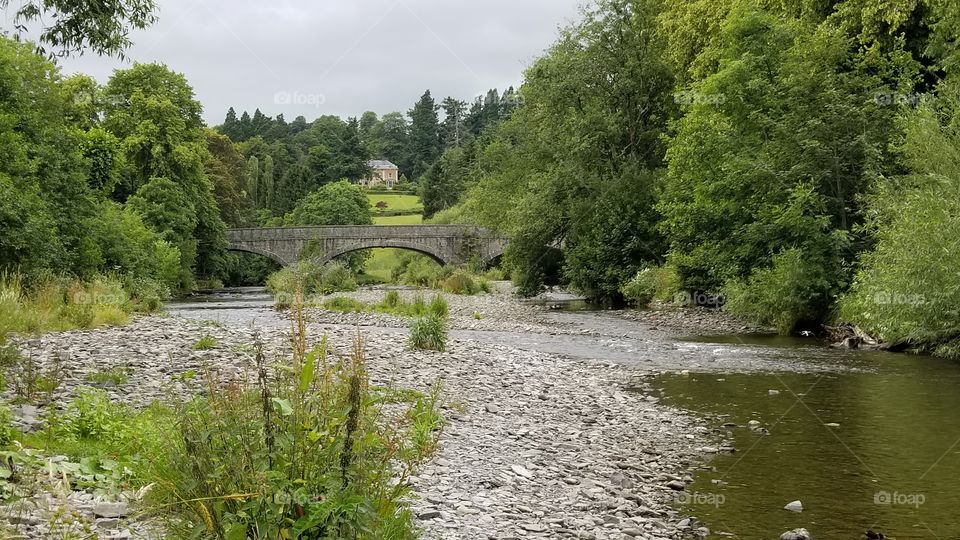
[344,304]
[393,304]
[429,333]
[303,452]
[52,303]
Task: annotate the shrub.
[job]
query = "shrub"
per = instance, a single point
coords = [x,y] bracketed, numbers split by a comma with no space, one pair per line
[91,416]
[344,304]
[795,290]
[310,278]
[460,283]
[654,283]
[429,333]
[303,452]
[904,292]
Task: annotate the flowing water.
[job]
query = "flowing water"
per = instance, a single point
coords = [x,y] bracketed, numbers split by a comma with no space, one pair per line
[865,440]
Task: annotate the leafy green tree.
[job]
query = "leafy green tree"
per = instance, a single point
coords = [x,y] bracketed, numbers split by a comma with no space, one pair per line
[253,180]
[166,208]
[42,163]
[791,109]
[70,26]
[337,203]
[445,181]
[226,169]
[154,114]
[577,164]
[907,289]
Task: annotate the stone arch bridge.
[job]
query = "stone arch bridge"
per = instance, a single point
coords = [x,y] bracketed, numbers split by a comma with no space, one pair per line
[446,244]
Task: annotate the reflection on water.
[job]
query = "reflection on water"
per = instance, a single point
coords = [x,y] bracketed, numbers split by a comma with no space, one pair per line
[876,449]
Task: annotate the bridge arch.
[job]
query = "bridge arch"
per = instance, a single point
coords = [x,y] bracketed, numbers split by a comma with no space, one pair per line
[383,243]
[259,251]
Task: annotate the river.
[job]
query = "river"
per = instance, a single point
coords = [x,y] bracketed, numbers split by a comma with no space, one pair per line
[865,440]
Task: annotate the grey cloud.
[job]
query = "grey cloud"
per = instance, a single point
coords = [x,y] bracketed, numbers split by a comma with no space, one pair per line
[340,57]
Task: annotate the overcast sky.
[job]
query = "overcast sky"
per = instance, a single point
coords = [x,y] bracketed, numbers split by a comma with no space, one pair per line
[343,57]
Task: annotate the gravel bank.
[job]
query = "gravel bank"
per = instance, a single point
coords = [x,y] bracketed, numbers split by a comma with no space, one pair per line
[535,446]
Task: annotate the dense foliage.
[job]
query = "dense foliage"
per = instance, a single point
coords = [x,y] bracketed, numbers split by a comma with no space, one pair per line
[764,152]
[103,179]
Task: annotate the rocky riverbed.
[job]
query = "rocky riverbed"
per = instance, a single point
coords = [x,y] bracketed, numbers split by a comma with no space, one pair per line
[536,445]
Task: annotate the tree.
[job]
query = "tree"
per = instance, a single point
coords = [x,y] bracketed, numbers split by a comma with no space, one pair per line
[452,130]
[157,120]
[445,181]
[226,169]
[424,140]
[338,203]
[266,182]
[577,165]
[43,220]
[70,26]
[253,180]
[231,126]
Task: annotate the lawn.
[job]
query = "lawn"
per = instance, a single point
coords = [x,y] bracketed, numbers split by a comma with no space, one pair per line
[396,202]
[413,219]
[382,262]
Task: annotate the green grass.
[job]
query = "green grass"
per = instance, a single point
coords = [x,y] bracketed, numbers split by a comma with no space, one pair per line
[344,304]
[117,376]
[413,219]
[396,202]
[381,263]
[205,343]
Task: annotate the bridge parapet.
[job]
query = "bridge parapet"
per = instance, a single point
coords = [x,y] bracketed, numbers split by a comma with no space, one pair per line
[447,244]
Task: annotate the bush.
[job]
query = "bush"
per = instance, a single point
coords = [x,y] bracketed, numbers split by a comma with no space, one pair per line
[344,304]
[304,452]
[461,283]
[91,416]
[654,283]
[429,333]
[312,278]
[794,291]
[391,299]
[904,292]
[51,303]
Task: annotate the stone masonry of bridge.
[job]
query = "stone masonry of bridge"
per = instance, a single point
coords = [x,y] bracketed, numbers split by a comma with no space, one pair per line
[446,244]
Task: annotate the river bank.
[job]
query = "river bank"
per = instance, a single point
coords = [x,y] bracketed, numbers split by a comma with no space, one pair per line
[535,444]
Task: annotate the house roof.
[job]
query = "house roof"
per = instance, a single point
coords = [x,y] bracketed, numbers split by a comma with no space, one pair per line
[381,164]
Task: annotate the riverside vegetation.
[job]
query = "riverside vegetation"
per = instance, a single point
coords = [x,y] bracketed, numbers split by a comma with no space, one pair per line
[301,446]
